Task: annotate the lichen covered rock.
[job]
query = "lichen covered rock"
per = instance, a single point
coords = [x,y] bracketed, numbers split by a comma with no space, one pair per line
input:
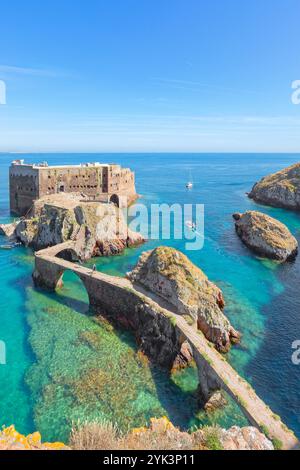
[10,439]
[281,189]
[171,275]
[266,236]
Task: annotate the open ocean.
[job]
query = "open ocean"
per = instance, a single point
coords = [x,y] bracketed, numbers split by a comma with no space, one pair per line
[64,366]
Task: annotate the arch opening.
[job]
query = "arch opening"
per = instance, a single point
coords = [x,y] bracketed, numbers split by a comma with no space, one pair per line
[114,199]
[73,292]
[68,254]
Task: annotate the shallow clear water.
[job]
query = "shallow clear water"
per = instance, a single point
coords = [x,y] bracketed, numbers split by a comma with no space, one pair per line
[63,366]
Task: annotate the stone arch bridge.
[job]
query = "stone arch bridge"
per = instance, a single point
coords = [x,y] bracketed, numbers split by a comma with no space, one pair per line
[161,332]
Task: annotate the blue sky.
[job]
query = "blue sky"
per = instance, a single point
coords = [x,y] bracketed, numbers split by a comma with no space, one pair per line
[150,75]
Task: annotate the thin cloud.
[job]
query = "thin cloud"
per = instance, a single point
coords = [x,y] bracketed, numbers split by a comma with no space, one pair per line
[194,85]
[16,70]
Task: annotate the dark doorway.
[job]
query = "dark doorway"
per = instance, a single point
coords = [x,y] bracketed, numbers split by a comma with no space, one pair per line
[115,200]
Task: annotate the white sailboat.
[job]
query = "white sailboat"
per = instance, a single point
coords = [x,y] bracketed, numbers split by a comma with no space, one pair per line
[189,184]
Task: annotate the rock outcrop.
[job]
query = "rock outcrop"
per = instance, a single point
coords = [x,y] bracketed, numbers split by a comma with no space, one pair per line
[162,435]
[169,274]
[247,438]
[98,229]
[10,439]
[162,432]
[8,230]
[281,189]
[266,236]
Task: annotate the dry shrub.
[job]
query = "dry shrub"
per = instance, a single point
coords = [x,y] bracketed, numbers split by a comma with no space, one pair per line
[160,435]
[155,441]
[94,436]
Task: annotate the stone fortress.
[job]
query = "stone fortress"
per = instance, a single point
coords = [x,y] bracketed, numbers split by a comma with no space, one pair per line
[97,181]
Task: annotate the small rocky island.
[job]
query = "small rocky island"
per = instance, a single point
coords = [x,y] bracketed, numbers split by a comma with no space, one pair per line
[266,236]
[281,189]
[98,228]
[173,277]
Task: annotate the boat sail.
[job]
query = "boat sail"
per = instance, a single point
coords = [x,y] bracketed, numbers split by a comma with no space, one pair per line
[189,184]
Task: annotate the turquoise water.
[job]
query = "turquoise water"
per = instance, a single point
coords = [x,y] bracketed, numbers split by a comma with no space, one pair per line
[64,366]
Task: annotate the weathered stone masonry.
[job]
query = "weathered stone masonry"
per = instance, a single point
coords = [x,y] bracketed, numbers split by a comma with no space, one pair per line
[104,182]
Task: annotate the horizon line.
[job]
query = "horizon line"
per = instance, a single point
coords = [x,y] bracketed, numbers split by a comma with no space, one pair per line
[269,152]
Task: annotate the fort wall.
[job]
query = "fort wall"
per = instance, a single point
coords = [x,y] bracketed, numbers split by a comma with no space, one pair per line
[104,182]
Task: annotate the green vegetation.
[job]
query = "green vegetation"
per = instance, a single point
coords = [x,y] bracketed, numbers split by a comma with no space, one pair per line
[277,443]
[241,402]
[265,430]
[212,438]
[276,417]
[210,362]
[129,289]
[190,321]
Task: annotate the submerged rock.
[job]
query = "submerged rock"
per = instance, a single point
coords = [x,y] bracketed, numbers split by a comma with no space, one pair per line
[171,275]
[215,401]
[98,229]
[281,189]
[266,236]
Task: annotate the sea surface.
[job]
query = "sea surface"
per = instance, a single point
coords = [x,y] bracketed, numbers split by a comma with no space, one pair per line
[64,366]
